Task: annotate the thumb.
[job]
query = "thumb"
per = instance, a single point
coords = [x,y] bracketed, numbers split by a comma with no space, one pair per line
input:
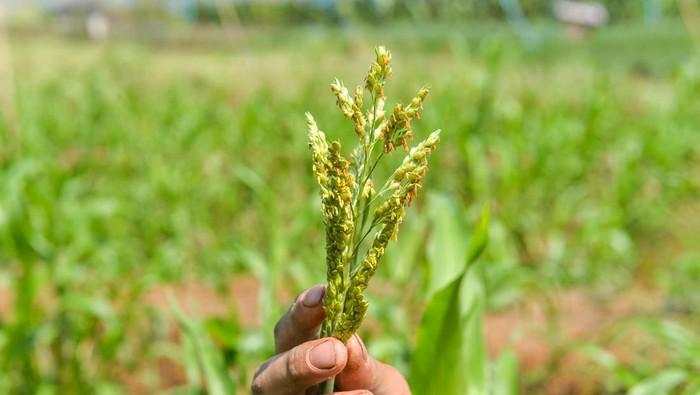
[301,367]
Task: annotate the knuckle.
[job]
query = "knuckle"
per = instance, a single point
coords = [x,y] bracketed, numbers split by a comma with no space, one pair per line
[257,387]
[259,384]
[293,371]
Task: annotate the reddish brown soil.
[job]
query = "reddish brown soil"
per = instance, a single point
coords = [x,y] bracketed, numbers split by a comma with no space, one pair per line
[544,333]
[199,300]
[540,330]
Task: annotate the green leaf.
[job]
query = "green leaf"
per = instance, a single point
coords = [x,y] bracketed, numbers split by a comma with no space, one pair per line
[692,387]
[445,246]
[199,349]
[504,379]
[449,357]
[662,383]
[480,238]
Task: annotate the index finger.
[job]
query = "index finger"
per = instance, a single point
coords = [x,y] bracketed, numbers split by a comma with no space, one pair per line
[364,372]
[302,321]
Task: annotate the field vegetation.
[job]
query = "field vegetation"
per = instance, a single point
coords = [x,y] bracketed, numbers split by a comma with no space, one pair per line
[158,210]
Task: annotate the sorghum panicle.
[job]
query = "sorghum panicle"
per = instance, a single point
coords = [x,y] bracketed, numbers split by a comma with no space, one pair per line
[352,208]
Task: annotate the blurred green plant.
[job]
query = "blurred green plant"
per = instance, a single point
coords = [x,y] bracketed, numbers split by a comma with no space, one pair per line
[121,180]
[675,342]
[203,362]
[449,357]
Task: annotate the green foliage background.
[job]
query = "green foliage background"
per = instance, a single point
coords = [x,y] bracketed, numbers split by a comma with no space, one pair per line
[129,166]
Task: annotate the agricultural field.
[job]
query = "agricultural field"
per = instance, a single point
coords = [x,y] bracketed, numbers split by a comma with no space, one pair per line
[158,211]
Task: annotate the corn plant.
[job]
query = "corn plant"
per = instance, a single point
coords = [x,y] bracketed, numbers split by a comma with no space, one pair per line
[449,357]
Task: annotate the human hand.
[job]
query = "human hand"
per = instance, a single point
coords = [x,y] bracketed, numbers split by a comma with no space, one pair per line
[303,360]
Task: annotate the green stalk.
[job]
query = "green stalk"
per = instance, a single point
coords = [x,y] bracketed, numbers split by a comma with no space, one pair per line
[327,387]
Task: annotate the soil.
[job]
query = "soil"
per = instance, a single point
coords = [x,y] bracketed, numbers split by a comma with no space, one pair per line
[541,331]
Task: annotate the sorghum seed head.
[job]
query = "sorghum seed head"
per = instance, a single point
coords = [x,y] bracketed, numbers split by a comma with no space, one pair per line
[345,199]
[378,72]
[343,99]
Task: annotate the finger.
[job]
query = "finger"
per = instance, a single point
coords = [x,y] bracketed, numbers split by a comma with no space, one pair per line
[301,367]
[388,381]
[360,368]
[364,372]
[302,321]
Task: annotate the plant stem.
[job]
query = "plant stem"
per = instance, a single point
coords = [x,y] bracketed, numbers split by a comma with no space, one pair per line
[326,388]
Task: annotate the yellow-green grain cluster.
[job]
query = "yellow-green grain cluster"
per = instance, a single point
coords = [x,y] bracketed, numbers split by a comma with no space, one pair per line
[360,221]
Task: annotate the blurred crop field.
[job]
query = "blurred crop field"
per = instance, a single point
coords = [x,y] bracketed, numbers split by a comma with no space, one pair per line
[158,212]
